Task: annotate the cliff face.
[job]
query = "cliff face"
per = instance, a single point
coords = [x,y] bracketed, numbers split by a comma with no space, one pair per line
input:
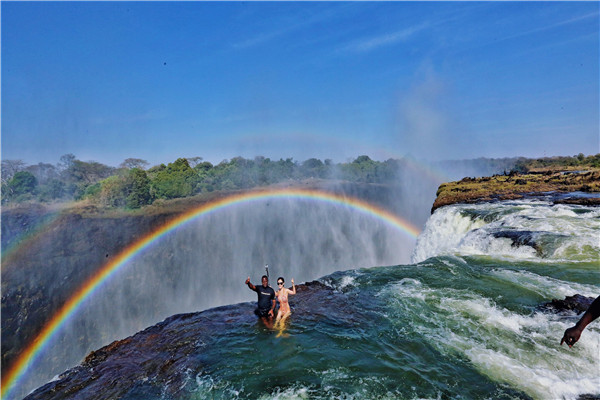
[58,257]
[517,186]
[52,253]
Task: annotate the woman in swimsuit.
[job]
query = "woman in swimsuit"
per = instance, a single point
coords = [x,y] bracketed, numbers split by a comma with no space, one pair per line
[282,296]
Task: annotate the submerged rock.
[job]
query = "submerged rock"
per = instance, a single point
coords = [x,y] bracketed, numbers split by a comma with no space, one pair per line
[520,238]
[576,303]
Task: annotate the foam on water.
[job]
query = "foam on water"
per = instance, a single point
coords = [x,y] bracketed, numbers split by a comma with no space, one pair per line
[546,287]
[331,380]
[519,350]
[289,393]
[464,317]
[345,282]
[554,232]
[461,323]
[443,232]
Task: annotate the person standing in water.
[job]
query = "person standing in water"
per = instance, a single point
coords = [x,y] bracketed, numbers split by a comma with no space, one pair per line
[284,306]
[266,300]
[572,334]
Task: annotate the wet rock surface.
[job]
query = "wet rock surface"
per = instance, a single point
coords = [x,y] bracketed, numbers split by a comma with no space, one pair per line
[520,238]
[158,361]
[576,303]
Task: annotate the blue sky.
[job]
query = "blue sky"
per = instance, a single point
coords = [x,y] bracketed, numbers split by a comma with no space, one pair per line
[108,81]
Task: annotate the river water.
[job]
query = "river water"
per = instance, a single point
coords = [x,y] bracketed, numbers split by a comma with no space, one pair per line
[462,321]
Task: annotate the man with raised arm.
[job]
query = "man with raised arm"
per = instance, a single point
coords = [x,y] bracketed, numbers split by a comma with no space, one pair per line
[266,300]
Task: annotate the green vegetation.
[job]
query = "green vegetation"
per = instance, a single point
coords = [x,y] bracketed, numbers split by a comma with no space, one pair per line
[571,176]
[21,186]
[538,165]
[131,186]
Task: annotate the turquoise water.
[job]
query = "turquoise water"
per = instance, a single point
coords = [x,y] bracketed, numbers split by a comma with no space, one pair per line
[460,323]
[445,328]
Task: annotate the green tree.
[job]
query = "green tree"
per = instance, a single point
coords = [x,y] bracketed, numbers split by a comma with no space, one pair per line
[113,192]
[43,172]
[89,172]
[203,167]
[23,182]
[313,167]
[131,163]
[93,191]
[66,161]
[138,188]
[54,189]
[242,173]
[78,175]
[282,170]
[10,168]
[177,179]
[193,161]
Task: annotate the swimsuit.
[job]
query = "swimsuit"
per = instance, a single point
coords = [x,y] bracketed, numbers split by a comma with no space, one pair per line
[282,296]
[284,306]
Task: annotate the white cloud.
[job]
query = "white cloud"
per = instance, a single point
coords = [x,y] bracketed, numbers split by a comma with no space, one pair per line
[388,39]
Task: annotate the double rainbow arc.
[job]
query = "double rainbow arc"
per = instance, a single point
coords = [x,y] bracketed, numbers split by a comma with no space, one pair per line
[35,348]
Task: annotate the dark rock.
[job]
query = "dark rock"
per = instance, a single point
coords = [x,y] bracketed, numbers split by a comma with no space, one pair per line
[519,238]
[589,397]
[576,303]
[161,358]
[584,201]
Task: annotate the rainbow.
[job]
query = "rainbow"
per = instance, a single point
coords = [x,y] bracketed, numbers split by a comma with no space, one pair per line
[28,237]
[35,348]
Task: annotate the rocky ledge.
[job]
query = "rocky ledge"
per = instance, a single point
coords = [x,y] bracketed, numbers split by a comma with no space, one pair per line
[158,361]
[557,186]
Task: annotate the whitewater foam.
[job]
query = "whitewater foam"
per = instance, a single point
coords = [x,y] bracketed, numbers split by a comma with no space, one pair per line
[524,230]
[546,287]
[520,350]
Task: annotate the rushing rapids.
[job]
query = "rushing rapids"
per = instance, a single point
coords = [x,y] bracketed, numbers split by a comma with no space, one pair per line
[472,317]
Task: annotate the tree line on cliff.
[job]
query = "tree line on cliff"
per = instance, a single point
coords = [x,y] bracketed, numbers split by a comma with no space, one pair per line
[132,186]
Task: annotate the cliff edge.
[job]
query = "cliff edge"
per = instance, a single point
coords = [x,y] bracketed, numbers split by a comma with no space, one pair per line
[520,186]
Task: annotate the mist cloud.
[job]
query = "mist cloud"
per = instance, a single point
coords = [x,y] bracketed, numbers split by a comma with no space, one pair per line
[427,125]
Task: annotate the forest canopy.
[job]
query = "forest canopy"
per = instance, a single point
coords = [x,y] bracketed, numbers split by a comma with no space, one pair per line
[132,186]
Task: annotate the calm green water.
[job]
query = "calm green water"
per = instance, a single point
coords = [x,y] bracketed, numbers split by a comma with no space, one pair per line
[459,323]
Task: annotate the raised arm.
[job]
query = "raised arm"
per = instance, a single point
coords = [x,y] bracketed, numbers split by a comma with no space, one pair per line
[293,291]
[572,334]
[250,285]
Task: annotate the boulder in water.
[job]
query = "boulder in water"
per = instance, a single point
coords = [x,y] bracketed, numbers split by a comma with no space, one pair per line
[576,303]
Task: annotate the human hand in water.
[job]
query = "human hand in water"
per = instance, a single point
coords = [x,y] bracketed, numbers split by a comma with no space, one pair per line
[271,313]
[571,336]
